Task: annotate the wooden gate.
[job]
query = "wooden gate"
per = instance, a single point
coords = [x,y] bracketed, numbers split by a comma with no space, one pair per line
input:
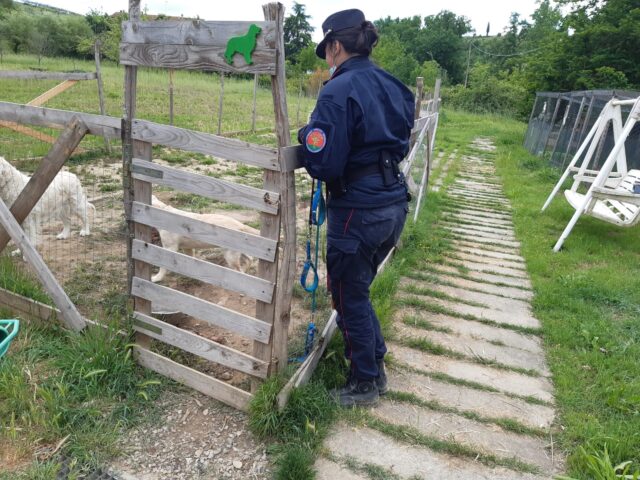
[202,45]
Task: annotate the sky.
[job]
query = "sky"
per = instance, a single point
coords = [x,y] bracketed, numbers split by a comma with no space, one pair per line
[480,12]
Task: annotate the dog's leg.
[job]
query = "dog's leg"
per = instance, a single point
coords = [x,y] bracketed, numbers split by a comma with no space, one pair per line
[170,243]
[84,217]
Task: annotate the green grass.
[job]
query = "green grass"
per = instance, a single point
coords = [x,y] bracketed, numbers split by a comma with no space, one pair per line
[75,390]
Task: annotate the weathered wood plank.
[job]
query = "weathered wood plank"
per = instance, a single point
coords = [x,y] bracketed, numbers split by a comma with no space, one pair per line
[27,306]
[209,144]
[286,275]
[141,193]
[50,117]
[103,110]
[68,312]
[49,167]
[26,75]
[30,132]
[49,94]
[195,57]
[291,158]
[203,347]
[203,310]
[226,278]
[192,378]
[252,245]
[196,32]
[222,190]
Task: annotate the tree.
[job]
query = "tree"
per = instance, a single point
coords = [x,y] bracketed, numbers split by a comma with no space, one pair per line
[297,32]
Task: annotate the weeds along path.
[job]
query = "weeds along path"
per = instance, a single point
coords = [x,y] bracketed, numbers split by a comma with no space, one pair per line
[470,392]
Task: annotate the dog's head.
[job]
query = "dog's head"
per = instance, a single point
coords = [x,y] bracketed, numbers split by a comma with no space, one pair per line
[254,30]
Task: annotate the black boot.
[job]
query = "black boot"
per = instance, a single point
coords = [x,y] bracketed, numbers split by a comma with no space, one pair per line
[356,393]
[381,381]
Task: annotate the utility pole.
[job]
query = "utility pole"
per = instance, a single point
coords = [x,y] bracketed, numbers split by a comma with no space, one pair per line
[466,77]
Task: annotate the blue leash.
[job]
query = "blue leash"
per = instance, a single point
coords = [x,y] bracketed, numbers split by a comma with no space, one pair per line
[317,217]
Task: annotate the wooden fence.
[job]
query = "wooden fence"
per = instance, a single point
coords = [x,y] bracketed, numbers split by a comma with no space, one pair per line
[201,45]
[197,45]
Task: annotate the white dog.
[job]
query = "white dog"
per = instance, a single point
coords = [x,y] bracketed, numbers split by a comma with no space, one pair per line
[175,241]
[63,200]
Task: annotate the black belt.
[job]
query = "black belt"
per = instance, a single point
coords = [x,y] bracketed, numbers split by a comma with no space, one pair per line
[358,173]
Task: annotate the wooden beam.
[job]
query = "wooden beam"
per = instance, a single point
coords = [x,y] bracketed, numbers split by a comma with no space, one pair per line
[49,94]
[221,190]
[192,378]
[196,32]
[24,75]
[68,312]
[211,273]
[194,57]
[50,117]
[103,109]
[203,347]
[204,310]
[249,244]
[30,132]
[207,143]
[27,306]
[45,174]
[287,274]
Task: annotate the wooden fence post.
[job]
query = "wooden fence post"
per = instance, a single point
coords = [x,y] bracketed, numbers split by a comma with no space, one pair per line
[419,92]
[171,96]
[103,110]
[130,88]
[220,102]
[285,183]
[253,110]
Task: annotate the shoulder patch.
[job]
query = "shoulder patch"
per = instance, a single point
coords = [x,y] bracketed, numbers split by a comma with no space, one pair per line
[316,140]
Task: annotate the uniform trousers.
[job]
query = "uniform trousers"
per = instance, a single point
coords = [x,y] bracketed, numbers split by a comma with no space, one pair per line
[358,240]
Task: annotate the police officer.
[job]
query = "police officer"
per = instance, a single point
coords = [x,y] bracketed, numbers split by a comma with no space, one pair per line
[357,134]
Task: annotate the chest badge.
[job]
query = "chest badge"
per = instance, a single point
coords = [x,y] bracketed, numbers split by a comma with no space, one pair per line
[316,140]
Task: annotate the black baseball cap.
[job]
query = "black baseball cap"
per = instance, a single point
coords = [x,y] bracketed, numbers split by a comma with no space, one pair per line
[336,22]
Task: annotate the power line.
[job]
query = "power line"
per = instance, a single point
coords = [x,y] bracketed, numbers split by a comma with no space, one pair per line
[503,54]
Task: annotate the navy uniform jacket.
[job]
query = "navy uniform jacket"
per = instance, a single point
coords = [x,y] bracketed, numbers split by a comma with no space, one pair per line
[361,111]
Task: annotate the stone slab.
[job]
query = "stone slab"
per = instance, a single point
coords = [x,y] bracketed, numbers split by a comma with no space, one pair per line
[471,234]
[475,348]
[492,405]
[328,470]
[483,267]
[484,252]
[489,261]
[506,233]
[370,446]
[505,381]
[485,277]
[462,217]
[482,313]
[469,328]
[488,300]
[482,437]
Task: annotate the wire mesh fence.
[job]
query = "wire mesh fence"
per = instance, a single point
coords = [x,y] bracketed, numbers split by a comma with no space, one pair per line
[559,123]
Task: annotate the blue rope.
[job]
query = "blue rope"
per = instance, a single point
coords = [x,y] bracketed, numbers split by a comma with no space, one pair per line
[317,217]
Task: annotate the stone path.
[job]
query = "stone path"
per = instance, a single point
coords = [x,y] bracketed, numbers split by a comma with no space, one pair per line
[470,391]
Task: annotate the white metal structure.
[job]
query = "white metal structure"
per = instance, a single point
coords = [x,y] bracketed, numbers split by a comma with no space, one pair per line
[611,195]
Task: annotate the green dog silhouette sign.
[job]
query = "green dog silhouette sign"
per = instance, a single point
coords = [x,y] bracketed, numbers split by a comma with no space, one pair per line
[244,45]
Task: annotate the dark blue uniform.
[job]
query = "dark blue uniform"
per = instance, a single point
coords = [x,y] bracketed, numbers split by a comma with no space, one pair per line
[362,113]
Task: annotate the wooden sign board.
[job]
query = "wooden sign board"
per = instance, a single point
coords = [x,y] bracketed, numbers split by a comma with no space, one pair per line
[200,45]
